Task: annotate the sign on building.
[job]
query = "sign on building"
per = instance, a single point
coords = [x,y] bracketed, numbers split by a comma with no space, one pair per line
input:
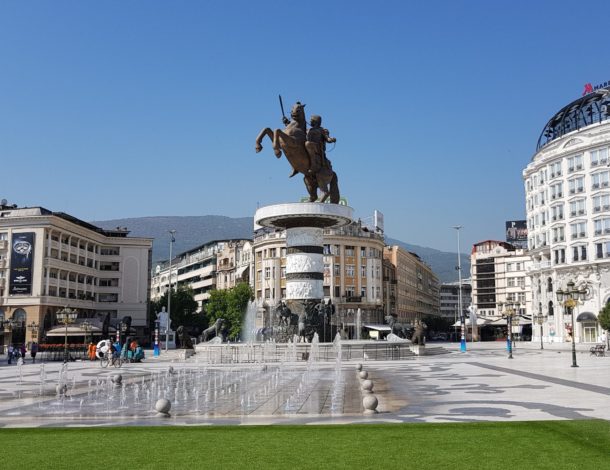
[516,233]
[20,281]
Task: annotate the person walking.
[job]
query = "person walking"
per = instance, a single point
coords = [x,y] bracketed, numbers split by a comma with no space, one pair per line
[9,353]
[22,351]
[34,351]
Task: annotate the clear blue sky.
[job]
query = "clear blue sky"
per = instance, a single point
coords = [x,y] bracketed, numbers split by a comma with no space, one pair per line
[140,108]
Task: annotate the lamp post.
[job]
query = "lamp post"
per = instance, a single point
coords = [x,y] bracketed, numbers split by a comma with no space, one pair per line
[508,314]
[87,327]
[569,298]
[8,326]
[34,327]
[459,270]
[540,319]
[172,240]
[66,316]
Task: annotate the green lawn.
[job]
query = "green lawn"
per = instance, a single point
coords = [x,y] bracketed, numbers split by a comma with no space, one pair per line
[532,445]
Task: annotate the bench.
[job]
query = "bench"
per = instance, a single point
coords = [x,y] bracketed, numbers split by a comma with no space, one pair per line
[598,350]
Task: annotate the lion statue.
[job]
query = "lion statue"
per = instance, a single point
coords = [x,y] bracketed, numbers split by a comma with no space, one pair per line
[214,330]
[185,338]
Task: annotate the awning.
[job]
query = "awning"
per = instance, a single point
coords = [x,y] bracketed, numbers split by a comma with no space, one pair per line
[240,272]
[378,327]
[480,322]
[586,316]
[74,331]
[503,322]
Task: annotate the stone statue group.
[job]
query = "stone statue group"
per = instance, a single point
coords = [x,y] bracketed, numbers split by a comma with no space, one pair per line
[305,149]
[416,335]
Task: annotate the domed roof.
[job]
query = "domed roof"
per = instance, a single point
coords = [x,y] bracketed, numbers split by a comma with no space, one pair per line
[591,108]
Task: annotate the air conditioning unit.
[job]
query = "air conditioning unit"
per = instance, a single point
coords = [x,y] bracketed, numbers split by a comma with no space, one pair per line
[572,213]
[570,169]
[606,208]
[581,189]
[594,163]
[572,191]
[595,185]
[579,167]
[607,230]
[598,232]
[582,234]
[597,209]
[581,211]
[605,184]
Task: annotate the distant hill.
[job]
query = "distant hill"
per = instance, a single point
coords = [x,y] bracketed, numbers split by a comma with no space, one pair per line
[192,231]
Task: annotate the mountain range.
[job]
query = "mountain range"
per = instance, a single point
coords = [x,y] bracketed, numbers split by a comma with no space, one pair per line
[192,231]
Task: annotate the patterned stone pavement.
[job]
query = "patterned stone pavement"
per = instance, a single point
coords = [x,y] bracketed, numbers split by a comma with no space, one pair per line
[479,385]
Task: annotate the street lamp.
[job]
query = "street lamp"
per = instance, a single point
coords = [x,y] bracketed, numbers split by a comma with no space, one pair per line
[508,314]
[459,270]
[87,327]
[540,319]
[66,316]
[569,298]
[8,326]
[172,240]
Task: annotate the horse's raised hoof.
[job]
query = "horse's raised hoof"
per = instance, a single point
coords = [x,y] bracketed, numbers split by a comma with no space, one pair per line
[294,172]
[258,148]
[278,152]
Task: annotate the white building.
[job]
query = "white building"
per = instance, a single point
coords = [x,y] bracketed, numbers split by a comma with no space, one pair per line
[49,260]
[499,276]
[567,190]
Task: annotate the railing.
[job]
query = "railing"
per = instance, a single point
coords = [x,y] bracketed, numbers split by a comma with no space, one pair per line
[279,352]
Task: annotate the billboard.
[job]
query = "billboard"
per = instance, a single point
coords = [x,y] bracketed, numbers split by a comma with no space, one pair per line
[516,233]
[22,251]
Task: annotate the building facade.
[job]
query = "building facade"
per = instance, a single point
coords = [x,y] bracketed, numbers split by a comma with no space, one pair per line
[417,287]
[499,275]
[567,191]
[450,300]
[202,268]
[50,260]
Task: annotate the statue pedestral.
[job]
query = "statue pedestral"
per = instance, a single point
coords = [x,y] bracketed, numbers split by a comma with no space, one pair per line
[304,224]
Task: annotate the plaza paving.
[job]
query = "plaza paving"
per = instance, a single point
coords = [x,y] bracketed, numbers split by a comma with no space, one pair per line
[481,384]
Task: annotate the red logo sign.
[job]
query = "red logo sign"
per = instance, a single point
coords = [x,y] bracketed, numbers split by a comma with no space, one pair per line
[588,89]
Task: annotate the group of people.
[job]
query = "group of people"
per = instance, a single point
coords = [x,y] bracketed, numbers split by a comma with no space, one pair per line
[16,352]
[130,351]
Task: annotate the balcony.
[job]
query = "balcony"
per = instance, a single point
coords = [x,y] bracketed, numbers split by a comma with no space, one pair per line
[3,244]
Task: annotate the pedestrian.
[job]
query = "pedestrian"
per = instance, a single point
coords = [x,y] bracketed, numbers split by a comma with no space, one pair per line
[91,351]
[34,351]
[22,351]
[9,353]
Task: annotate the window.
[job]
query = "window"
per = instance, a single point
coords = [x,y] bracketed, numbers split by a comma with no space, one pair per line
[555,169]
[3,236]
[362,252]
[600,179]
[283,272]
[577,207]
[510,282]
[267,293]
[556,190]
[578,230]
[349,270]
[576,185]
[602,250]
[557,212]
[349,251]
[574,163]
[579,253]
[327,249]
[267,274]
[558,234]
[272,252]
[559,256]
[599,157]
[602,225]
[337,270]
[601,202]
[363,270]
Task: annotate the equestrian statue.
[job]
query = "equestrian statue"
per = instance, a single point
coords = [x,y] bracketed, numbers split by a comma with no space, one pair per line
[305,150]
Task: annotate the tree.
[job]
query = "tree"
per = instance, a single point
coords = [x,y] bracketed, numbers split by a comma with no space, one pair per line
[604,320]
[183,310]
[230,305]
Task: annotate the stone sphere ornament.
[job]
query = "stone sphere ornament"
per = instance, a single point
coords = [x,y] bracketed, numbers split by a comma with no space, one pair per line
[363,374]
[370,403]
[358,367]
[162,406]
[367,386]
[117,380]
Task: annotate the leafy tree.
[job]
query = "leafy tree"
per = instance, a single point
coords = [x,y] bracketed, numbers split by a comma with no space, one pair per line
[230,305]
[604,320]
[183,310]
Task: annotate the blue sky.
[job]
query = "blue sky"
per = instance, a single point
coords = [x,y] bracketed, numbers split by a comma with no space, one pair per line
[141,108]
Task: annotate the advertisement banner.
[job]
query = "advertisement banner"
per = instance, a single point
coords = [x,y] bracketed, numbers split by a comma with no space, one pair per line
[20,281]
[516,233]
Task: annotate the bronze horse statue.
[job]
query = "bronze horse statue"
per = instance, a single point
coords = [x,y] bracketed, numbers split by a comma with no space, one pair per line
[293,142]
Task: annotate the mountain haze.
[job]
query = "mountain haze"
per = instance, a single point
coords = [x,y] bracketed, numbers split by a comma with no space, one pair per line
[192,231]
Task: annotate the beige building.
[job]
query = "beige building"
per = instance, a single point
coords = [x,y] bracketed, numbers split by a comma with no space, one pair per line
[50,260]
[416,286]
[353,281]
[233,263]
